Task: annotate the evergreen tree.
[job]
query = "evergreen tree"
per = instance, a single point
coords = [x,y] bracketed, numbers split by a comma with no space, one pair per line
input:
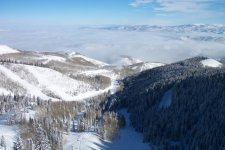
[18,145]
[3,142]
[41,139]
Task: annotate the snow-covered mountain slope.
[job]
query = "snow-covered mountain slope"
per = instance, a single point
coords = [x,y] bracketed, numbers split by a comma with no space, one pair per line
[45,83]
[187,88]
[74,55]
[56,76]
[6,50]
[49,58]
[62,76]
[211,63]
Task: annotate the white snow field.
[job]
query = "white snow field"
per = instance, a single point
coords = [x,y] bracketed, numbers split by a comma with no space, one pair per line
[59,84]
[9,132]
[26,85]
[50,84]
[211,63]
[6,50]
[128,139]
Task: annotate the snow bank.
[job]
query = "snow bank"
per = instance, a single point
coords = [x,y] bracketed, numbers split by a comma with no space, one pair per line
[6,50]
[211,63]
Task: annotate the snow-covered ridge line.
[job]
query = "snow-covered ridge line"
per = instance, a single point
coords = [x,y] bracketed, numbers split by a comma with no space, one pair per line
[96,62]
[211,63]
[7,50]
[206,28]
[149,65]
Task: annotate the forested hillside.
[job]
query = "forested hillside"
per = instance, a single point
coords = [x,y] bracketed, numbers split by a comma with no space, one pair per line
[179,105]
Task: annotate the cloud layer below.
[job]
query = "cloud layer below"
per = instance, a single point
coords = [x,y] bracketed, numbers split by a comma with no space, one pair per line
[107,45]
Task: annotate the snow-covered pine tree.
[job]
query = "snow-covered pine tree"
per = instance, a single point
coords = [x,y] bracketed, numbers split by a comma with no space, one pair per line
[41,139]
[18,145]
[30,144]
[3,143]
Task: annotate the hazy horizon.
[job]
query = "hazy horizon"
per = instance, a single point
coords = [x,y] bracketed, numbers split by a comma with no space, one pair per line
[47,25]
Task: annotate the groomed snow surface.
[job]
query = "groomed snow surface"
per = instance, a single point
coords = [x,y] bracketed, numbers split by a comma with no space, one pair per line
[128,139]
[6,50]
[211,63]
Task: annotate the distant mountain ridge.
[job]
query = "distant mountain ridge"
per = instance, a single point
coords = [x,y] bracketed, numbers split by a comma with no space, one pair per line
[217,29]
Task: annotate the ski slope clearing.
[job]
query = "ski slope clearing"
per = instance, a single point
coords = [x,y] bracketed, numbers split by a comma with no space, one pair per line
[6,50]
[93,61]
[128,139]
[50,84]
[83,141]
[57,83]
[211,63]
[30,88]
[9,132]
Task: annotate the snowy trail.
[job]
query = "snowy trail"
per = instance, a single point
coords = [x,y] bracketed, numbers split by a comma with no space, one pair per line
[128,139]
[112,88]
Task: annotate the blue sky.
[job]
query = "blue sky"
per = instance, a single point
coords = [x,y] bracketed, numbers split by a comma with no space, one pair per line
[95,12]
